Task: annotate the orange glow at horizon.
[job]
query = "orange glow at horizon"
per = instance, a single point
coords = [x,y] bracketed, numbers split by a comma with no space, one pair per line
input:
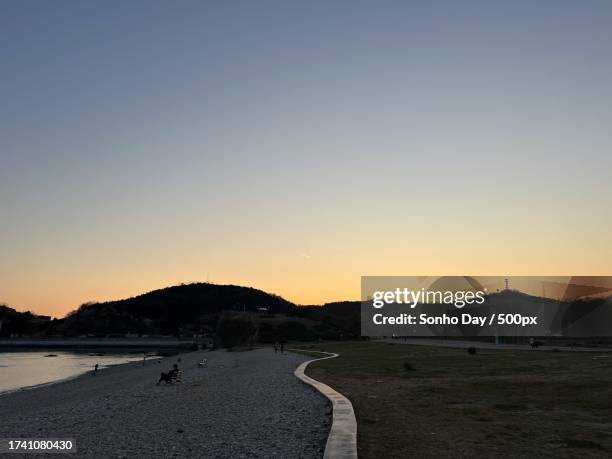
[312,279]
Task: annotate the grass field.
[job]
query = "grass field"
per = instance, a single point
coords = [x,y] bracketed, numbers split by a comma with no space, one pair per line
[415,401]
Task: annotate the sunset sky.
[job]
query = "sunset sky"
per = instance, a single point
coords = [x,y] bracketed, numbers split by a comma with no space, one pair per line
[296,146]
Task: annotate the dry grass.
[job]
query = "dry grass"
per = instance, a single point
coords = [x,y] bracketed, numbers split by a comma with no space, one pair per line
[414,401]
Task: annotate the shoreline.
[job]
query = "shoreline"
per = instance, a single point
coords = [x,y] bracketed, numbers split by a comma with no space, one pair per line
[184,344]
[70,378]
[41,385]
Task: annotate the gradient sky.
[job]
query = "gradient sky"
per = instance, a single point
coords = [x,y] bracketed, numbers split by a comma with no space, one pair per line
[296,146]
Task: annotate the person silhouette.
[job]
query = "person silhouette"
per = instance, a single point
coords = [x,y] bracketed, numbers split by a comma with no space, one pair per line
[167,377]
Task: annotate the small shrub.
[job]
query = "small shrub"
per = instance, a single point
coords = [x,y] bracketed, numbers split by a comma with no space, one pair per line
[471,350]
[408,366]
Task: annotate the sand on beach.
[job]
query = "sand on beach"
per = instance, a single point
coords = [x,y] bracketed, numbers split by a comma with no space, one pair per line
[242,404]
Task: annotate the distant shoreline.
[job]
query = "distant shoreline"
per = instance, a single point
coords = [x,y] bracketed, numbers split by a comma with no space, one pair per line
[94,343]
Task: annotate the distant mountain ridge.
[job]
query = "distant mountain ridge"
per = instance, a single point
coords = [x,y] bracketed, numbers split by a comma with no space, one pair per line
[186,309]
[198,307]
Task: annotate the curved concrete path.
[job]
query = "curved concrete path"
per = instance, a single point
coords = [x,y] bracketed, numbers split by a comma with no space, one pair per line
[342,439]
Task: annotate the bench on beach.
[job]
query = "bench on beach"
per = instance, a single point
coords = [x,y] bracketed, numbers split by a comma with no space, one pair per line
[175,376]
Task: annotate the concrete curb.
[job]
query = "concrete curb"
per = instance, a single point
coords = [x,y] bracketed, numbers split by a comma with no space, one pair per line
[342,439]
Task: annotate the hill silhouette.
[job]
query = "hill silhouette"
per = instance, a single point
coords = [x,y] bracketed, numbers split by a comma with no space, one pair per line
[199,308]
[13,322]
[196,308]
[182,308]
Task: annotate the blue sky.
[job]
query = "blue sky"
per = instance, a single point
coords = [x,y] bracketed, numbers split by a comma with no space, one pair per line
[295,146]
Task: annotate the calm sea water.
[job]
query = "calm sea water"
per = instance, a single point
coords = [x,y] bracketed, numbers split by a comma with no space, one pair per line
[26,369]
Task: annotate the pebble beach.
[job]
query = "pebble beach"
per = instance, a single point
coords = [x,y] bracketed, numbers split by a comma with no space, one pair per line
[243,404]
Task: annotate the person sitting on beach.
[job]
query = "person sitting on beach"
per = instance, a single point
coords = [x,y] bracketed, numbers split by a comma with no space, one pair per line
[167,377]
